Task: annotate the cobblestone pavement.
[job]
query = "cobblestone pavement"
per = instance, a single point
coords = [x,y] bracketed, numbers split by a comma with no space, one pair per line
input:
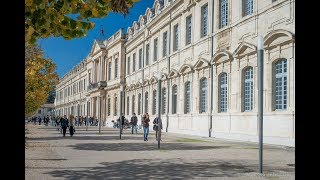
[90,155]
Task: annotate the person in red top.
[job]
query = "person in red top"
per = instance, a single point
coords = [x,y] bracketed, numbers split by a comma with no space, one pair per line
[145,124]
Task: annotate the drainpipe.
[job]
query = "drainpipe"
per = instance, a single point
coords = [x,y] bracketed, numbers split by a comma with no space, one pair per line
[168,82]
[211,73]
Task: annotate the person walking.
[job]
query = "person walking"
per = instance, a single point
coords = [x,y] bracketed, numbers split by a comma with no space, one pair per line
[156,124]
[71,125]
[133,122]
[64,124]
[145,124]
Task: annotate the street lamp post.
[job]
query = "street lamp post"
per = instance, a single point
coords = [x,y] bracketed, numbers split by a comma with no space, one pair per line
[120,119]
[260,99]
[159,108]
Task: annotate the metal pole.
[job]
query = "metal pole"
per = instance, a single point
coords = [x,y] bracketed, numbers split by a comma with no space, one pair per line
[120,119]
[99,114]
[260,99]
[159,110]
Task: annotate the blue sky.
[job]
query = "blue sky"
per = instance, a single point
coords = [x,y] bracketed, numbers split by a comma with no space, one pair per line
[68,53]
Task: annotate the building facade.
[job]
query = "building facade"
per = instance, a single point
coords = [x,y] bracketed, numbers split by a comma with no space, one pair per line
[205,52]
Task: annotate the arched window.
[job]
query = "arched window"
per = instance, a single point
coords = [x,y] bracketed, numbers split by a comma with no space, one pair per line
[146,95]
[187,97]
[223,13]
[248,89]
[139,103]
[223,92]
[174,99]
[203,95]
[247,7]
[115,106]
[133,102]
[280,84]
[154,101]
[164,100]
[128,105]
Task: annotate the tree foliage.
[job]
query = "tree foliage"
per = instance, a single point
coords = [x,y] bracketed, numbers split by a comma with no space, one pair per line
[45,18]
[40,78]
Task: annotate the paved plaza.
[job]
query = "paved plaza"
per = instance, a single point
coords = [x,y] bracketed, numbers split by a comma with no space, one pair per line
[90,155]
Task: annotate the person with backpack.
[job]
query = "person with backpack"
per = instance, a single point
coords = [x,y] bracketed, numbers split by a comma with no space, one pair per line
[156,124]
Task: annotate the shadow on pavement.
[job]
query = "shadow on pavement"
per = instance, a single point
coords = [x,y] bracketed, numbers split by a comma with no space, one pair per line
[158,169]
[141,146]
[77,137]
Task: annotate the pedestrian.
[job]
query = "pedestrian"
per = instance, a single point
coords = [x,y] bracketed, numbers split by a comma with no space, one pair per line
[64,124]
[156,125]
[71,125]
[133,122]
[122,122]
[145,124]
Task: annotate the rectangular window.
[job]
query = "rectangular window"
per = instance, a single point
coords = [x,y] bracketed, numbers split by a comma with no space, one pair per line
[115,106]
[247,7]
[127,105]
[128,66]
[176,38]
[187,98]
[115,68]
[147,54]
[223,13]
[280,85]
[248,89]
[164,100]
[109,111]
[133,104]
[84,84]
[140,58]
[154,102]
[204,20]
[146,104]
[109,71]
[155,50]
[174,99]
[223,92]
[134,62]
[139,104]
[164,45]
[188,30]
[203,95]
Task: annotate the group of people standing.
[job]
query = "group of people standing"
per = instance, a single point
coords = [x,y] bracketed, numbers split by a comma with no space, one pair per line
[145,123]
[63,123]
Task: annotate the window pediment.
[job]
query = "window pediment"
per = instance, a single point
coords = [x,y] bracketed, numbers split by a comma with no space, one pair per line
[201,63]
[173,73]
[244,49]
[277,37]
[185,69]
[221,57]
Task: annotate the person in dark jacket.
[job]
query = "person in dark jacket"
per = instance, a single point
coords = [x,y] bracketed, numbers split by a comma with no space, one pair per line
[64,124]
[133,122]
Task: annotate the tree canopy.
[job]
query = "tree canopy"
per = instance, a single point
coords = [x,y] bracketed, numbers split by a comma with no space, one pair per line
[67,18]
[40,78]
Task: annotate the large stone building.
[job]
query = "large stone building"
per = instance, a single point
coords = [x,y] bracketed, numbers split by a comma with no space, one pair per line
[205,52]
